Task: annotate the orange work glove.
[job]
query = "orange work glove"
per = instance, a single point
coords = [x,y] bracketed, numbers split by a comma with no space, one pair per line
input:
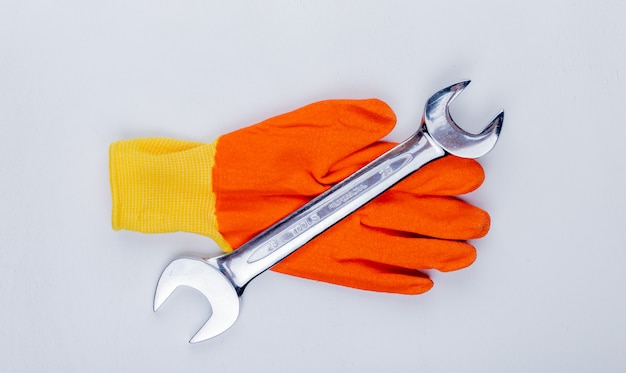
[238,185]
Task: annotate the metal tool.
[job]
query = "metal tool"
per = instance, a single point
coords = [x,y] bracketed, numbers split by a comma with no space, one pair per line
[223,279]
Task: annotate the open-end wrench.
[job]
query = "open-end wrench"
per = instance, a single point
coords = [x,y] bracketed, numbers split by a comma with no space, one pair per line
[223,279]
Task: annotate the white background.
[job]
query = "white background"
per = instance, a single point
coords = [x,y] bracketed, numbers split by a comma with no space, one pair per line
[546,294]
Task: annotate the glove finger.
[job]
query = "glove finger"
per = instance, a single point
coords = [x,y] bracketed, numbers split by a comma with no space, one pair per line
[432,216]
[447,176]
[356,274]
[399,250]
[421,253]
[290,152]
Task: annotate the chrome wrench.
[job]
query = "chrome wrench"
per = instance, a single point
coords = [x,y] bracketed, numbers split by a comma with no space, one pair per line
[223,279]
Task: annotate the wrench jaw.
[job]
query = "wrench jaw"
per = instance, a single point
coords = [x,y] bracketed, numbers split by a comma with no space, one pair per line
[453,139]
[210,282]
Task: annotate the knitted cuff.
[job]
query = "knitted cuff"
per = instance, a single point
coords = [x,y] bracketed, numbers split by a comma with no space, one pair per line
[163,185]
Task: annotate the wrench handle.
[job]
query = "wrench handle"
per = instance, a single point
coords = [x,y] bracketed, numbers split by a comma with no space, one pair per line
[295,230]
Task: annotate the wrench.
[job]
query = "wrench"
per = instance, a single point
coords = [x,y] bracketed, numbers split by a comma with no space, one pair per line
[223,279]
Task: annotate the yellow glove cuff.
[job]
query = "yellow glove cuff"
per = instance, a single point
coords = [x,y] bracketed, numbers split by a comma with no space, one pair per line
[164,185]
